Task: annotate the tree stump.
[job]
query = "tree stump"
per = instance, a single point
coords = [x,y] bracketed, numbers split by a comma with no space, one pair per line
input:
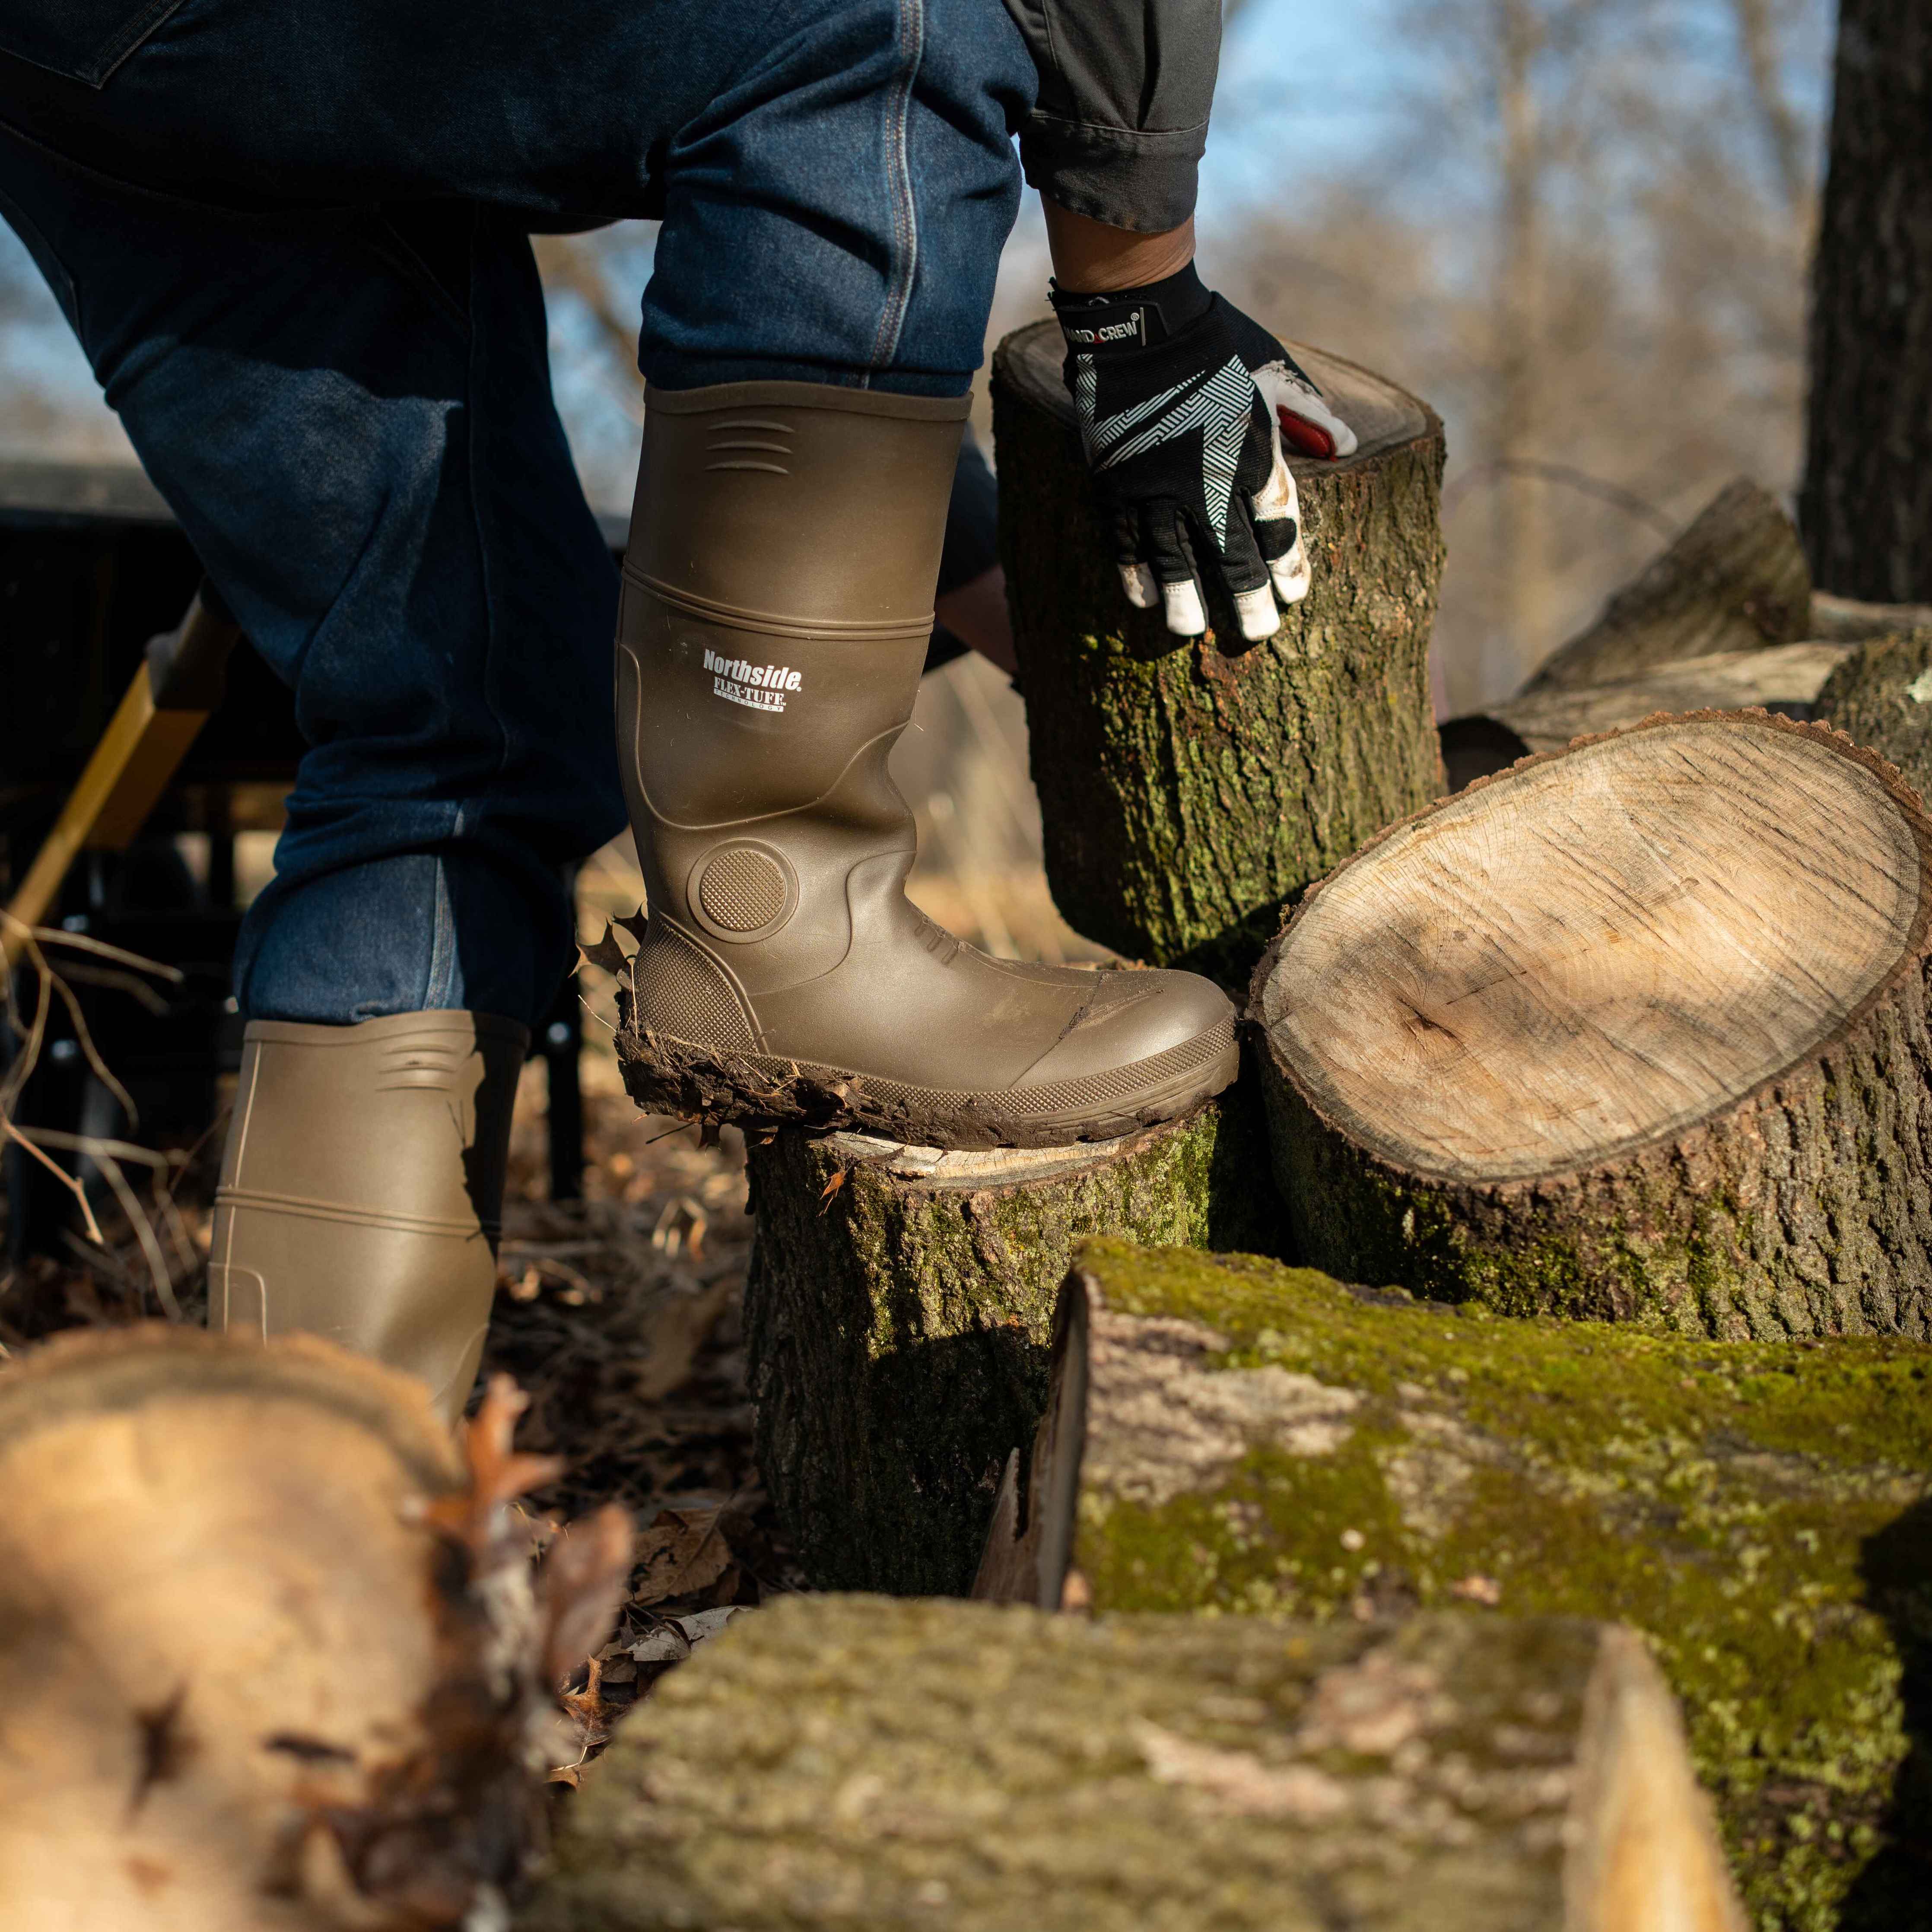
[866,1764]
[900,1305]
[267,1662]
[1882,697]
[1634,1031]
[1736,581]
[1229,1436]
[1189,788]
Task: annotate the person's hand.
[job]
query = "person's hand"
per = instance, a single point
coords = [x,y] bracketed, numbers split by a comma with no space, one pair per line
[1185,406]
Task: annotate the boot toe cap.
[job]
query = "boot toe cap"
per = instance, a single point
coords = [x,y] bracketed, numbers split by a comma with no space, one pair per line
[1135,1016]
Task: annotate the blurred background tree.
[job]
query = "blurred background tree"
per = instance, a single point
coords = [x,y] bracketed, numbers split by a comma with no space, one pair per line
[1580,228]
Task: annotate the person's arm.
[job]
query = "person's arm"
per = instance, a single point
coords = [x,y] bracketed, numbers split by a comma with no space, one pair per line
[1187,409]
[1120,121]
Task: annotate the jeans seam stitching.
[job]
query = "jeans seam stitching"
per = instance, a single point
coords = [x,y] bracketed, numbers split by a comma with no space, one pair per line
[898,170]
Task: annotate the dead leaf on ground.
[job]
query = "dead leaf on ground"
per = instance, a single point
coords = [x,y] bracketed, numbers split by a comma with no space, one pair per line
[682,1552]
[679,1326]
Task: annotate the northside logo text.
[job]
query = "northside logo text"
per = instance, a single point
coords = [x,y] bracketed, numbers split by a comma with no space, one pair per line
[757,687]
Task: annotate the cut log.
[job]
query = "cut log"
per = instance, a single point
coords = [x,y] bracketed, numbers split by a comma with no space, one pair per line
[1784,678]
[1736,581]
[855,1763]
[1230,1435]
[1849,620]
[899,1307]
[1637,1031]
[1189,788]
[267,1664]
[1882,696]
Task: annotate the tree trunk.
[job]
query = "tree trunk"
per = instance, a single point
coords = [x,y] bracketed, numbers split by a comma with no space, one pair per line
[1866,502]
[1637,1031]
[854,1763]
[1781,677]
[1230,1435]
[898,1310]
[1736,581]
[266,1664]
[1882,696]
[1846,620]
[1188,790]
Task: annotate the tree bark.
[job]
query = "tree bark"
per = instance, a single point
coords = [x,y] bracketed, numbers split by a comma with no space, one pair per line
[1866,502]
[1228,1435]
[869,1766]
[1189,789]
[1736,581]
[1637,1031]
[267,1662]
[1783,677]
[898,1310]
[1882,696]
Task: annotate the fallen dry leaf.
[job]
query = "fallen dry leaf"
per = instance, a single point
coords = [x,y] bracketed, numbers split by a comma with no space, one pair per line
[683,1551]
[679,1326]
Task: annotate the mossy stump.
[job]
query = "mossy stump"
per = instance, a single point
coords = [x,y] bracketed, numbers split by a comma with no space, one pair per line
[900,1305]
[1635,1030]
[1230,1435]
[1189,789]
[1881,696]
[866,1764]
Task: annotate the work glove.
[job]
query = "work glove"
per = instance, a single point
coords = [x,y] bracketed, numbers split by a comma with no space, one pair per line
[1185,405]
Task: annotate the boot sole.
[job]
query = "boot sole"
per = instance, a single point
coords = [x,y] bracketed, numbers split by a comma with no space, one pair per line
[760,1090]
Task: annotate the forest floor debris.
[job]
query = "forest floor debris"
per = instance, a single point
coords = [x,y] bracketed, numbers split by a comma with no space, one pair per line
[619,1314]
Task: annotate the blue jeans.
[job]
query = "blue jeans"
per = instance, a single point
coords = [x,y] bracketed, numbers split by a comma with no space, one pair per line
[292,240]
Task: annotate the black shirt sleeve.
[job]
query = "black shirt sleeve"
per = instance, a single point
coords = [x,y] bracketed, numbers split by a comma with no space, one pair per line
[1125,87]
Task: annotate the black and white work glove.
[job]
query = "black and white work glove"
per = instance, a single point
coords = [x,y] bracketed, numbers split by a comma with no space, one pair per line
[1185,405]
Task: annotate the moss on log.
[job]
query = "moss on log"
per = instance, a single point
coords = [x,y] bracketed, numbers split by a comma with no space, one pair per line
[1246,1437]
[1736,581]
[857,1763]
[1637,1031]
[269,1662]
[1882,696]
[1189,789]
[899,1307]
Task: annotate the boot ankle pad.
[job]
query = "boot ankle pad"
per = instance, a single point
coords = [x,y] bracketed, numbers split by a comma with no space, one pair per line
[679,989]
[742,893]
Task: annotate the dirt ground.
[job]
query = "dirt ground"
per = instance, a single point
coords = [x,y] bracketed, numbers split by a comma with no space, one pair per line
[619,1314]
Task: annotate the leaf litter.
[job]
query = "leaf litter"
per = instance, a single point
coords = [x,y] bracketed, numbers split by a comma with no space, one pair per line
[618,1317]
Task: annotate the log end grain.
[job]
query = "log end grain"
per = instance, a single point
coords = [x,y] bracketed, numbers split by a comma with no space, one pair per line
[1635,1029]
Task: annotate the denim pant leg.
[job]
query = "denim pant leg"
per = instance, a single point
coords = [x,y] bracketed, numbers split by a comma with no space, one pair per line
[350,412]
[836,177]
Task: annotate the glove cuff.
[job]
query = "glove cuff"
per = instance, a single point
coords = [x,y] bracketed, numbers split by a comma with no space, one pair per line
[1125,320]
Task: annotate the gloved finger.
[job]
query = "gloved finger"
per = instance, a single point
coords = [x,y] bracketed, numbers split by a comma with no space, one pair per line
[1129,559]
[1246,577]
[1308,424]
[1172,555]
[1276,509]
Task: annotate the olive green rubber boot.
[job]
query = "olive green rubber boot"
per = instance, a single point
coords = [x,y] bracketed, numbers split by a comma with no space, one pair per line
[362,1186]
[777,601]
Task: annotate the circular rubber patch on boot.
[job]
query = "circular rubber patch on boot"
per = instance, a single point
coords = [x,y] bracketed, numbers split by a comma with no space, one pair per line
[742,892]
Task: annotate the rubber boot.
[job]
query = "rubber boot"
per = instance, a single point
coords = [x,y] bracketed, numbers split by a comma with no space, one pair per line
[362,1186]
[777,600]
